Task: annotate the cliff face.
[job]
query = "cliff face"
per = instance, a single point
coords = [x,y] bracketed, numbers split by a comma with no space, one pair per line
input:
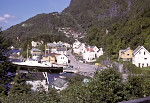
[104,12]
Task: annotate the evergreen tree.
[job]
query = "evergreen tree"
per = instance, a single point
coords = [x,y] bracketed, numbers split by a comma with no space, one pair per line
[6,69]
[20,86]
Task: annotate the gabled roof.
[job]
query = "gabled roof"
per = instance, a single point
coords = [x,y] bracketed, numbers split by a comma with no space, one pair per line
[122,51]
[138,49]
[92,47]
[13,51]
[51,45]
[79,46]
[77,42]
[61,49]
[100,49]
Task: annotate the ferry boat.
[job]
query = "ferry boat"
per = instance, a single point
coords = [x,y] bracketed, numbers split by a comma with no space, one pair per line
[33,63]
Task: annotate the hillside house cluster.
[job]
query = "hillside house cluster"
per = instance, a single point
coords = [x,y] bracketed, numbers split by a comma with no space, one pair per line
[55,53]
[140,56]
[69,32]
[89,53]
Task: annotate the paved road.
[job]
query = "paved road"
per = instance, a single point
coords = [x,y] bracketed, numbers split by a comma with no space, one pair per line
[85,69]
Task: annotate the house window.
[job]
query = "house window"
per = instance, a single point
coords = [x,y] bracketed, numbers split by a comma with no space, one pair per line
[127,54]
[143,65]
[144,53]
[145,58]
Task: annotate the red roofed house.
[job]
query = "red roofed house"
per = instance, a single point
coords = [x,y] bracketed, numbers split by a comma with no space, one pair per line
[89,54]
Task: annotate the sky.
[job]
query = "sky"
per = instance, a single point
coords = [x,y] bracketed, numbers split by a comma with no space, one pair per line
[13,12]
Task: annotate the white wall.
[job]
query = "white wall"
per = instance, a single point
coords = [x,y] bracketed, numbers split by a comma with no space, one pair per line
[99,53]
[76,44]
[53,50]
[62,59]
[35,57]
[88,56]
[141,59]
[34,44]
[95,49]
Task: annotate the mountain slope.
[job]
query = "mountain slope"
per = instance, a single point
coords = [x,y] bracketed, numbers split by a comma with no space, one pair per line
[81,15]
[104,13]
[39,25]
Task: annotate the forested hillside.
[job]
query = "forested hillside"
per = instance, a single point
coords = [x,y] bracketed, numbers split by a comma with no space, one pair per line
[40,24]
[124,16]
[132,33]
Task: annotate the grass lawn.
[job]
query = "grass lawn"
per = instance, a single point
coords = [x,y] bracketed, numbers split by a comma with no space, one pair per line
[146,70]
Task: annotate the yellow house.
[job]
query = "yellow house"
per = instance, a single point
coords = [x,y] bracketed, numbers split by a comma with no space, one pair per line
[50,58]
[125,54]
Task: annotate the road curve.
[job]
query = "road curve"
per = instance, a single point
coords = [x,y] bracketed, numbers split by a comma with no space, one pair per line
[81,67]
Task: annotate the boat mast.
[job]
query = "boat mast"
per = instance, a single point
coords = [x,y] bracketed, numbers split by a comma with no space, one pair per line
[45,49]
[27,51]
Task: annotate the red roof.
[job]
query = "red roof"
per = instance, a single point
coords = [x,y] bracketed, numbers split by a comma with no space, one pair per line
[90,49]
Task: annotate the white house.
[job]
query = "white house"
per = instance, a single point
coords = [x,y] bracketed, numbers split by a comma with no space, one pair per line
[141,57]
[62,59]
[12,47]
[89,54]
[38,80]
[80,49]
[76,44]
[35,44]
